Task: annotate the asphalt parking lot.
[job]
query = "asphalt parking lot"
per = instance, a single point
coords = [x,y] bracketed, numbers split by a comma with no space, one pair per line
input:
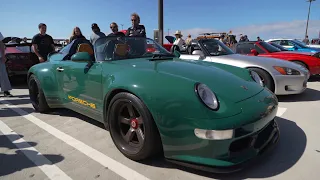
[65,145]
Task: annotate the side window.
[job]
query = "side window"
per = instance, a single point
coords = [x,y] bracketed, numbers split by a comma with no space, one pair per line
[258,49]
[276,42]
[244,48]
[284,43]
[290,43]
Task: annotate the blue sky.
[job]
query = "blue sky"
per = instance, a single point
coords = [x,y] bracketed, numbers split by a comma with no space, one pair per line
[268,19]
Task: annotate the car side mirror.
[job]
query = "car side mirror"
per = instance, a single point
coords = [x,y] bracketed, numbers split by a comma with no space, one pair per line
[81,57]
[254,52]
[198,52]
[177,53]
[295,48]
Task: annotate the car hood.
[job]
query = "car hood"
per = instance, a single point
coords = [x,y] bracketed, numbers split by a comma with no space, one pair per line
[226,85]
[258,60]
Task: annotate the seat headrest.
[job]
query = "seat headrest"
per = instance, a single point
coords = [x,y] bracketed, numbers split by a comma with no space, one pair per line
[85,48]
[121,49]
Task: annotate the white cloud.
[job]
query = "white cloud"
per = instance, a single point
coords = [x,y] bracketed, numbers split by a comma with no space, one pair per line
[293,29]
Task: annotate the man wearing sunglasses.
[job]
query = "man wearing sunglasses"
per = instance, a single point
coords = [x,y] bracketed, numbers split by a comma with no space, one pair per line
[136,29]
[115,30]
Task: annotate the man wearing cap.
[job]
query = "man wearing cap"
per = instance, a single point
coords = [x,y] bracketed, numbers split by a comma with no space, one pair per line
[96,33]
[136,29]
[179,41]
[5,85]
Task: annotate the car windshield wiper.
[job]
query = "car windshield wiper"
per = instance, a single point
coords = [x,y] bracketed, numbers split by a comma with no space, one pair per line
[162,57]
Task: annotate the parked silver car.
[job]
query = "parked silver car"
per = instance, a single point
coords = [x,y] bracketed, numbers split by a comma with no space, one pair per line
[281,77]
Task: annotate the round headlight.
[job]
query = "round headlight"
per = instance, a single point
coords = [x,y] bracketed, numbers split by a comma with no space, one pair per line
[255,76]
[207,96]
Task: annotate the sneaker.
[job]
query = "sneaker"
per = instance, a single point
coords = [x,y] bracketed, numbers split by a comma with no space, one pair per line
[7,94]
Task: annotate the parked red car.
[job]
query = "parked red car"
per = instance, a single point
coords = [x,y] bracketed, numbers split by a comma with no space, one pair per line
[20,56]
[260,48]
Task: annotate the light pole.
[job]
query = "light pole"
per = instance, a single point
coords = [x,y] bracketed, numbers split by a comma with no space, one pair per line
[168,32]
[160,21]
[121,26]
[310,1]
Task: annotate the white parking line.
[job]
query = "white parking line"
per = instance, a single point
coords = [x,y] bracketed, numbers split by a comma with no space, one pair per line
[281,111]
[101,158]
[52,171]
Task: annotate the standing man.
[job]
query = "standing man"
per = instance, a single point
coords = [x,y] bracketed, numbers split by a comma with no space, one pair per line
[306,40]
[96,33]
[136,29]
[5,85]
[42,43]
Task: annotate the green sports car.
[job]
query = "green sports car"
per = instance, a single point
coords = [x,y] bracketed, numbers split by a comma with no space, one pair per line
[203,115]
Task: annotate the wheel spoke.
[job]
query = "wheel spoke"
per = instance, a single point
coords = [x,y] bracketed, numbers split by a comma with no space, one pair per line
[129,135]
[124,120]
[140,135]
[140,121]
[131,111]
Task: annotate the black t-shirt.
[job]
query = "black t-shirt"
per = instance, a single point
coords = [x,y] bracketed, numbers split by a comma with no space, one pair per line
[44,43]
[139,31]
[116,34]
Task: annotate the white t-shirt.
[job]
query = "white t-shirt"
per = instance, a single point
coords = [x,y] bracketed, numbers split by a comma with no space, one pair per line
[179,42]
[1,38]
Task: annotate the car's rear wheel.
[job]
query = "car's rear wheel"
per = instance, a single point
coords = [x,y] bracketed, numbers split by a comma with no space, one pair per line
[132,127]
[265,77]
[36,94]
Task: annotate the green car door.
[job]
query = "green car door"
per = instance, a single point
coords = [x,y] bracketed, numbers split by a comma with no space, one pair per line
[80,82]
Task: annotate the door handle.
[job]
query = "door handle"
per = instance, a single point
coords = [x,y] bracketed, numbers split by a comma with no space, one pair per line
[60,69]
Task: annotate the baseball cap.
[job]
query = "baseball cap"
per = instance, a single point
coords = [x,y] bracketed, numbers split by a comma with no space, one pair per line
[94,25]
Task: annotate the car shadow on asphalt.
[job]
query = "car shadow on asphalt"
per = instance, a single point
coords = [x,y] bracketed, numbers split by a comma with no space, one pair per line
[19,82]
[18,161]
[315,78]
[285,155]
[70,113]
[307,95]
[10,112]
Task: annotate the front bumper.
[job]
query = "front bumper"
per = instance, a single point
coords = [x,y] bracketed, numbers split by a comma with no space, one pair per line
[255,131]
[259,142]
[286,85]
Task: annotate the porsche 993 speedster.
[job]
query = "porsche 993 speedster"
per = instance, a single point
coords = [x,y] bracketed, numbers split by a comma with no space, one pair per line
[199,114]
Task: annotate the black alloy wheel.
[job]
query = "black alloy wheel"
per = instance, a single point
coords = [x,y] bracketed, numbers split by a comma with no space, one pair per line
[132,127]
[37,97]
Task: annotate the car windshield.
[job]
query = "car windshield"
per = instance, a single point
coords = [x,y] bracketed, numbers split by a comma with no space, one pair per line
[115,48]
[299,43]
[278,46]
[269,47]
[215,47]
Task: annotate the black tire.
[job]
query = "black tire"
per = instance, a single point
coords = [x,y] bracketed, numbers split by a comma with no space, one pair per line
[266,78]
[37,97]
[301,63]
[134,149]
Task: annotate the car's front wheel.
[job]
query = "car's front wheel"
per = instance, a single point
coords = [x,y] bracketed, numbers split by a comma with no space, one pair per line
[132,127]
[36,94]
[265,77]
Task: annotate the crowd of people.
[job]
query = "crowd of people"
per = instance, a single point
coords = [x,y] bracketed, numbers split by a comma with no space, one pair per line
[43,44]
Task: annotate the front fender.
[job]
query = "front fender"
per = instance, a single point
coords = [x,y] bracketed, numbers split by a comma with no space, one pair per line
[170,99]
[45,73]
